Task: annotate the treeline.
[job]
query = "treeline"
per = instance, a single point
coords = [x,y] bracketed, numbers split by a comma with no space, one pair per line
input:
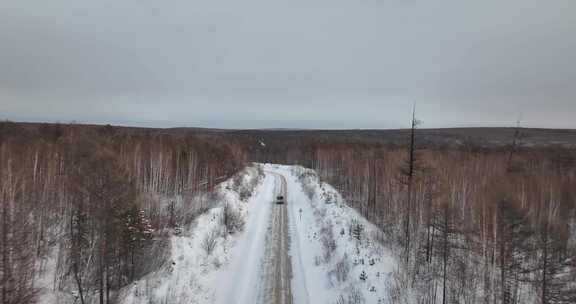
[472,224]
[91,205]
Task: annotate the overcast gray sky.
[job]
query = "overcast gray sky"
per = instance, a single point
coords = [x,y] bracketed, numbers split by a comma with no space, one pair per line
[290,64]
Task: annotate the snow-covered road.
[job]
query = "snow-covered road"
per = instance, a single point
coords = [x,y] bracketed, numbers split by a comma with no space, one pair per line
[261,270]
[280,269]
[319,223]
[242,282]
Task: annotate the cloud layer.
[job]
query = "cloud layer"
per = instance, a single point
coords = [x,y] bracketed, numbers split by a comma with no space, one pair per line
[308,64]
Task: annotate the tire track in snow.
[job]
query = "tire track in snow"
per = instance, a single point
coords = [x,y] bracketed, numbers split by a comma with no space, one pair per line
[280,280]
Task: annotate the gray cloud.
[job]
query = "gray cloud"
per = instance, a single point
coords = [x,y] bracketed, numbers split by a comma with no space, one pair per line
[319,64]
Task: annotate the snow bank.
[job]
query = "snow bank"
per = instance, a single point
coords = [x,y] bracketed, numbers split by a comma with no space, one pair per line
[200,255]
[240,281]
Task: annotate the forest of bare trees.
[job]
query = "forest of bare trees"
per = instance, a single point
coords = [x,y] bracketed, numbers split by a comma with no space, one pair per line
[472,224]
[90,198]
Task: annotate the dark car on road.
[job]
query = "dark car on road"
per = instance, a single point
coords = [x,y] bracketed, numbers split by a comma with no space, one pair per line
[279,199]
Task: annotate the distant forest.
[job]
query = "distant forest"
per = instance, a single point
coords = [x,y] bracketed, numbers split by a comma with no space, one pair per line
[489,214]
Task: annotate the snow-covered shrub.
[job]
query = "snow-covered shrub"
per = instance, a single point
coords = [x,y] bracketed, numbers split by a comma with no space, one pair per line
[245,182]
[329,197]
[244,189]
[231,219]
[356,230]
[210,240]
[363,276]
[342,269]
[328,242]
[352,296]
[308,180]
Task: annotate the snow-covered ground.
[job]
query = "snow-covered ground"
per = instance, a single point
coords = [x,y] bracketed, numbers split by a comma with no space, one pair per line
[335,256]
[240,281]
[332,251]
[195,275]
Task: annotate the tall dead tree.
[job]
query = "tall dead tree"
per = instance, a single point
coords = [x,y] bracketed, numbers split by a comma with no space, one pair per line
[408,180]
[372,192]
[513,146]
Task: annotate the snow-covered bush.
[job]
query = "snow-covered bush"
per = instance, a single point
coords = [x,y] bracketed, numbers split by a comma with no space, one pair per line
[244,183]
[210,240]
[328,242]
[308,180]
[356,230]
[342,269]
[232,219]
[352,296]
